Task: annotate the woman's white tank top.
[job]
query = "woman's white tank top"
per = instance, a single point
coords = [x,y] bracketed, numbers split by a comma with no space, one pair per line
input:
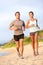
[34,28]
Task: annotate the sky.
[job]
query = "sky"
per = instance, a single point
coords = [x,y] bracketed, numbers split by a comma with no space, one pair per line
[8,9]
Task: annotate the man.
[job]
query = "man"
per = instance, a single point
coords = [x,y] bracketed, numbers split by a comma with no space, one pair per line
[18,26]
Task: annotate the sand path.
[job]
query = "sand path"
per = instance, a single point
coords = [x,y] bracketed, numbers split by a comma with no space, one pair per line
[11,58]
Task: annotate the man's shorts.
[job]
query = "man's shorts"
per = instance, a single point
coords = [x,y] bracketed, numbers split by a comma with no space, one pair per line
[18,37]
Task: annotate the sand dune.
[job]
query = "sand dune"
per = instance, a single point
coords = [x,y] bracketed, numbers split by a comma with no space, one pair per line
[11,57]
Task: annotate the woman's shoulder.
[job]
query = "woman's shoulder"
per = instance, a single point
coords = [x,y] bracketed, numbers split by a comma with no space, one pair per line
[36,19]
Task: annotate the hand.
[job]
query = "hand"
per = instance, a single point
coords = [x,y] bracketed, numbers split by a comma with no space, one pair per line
[15,28]
[38,27]
[10,28]
[26,26]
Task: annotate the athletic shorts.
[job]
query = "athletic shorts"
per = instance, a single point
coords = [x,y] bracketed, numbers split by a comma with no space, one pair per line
[18,37]
[32,33]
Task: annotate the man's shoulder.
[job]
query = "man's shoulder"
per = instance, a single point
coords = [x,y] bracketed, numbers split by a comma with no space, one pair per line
[13,21]
[22,21]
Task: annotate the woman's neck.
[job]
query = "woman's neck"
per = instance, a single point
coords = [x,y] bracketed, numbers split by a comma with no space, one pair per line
[32,19]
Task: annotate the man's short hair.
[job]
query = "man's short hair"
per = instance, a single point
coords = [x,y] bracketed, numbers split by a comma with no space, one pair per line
[17,12]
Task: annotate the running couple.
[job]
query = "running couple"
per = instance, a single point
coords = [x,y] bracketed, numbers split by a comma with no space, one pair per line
[19,26]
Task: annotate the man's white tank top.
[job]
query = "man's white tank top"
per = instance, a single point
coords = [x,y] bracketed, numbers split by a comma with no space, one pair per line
[34,28]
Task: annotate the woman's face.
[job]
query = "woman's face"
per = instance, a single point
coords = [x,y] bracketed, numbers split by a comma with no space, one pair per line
[31,15]
[17,16]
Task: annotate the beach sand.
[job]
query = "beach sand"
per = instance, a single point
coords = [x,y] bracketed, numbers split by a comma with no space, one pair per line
[29,59]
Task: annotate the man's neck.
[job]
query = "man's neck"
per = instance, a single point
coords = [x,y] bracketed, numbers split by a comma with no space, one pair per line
[18,19]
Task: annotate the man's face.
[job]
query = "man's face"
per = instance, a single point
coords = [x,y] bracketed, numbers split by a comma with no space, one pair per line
[17,16]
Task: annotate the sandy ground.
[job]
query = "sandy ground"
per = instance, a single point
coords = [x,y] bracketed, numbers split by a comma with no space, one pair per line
[29,59]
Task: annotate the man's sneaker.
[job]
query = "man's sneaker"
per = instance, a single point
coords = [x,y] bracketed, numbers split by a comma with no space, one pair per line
[18,54]
[21,57]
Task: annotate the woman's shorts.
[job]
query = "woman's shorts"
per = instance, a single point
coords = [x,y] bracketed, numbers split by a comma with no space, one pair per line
[32,33]
[18,37]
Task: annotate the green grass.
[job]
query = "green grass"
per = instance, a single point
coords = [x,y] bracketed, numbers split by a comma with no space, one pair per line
[27,40]
[12,44]
[40,40]
[8,45]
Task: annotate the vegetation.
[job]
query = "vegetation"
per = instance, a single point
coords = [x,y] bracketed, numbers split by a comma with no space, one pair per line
[27,40]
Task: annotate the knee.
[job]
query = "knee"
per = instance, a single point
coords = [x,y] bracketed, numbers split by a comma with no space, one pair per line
[33,41]
[21,46]
[36,40]
[17,46]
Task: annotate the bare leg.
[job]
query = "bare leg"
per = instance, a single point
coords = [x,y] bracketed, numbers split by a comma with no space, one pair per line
[33,43]
[17,47]
[36,42]
[21,47]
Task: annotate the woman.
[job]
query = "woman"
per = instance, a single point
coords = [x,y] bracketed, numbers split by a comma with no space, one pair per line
[32,23]
[18,26]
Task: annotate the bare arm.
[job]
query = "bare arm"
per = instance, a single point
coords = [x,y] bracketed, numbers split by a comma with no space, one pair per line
[23,26]
[37,24]
[11,26]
